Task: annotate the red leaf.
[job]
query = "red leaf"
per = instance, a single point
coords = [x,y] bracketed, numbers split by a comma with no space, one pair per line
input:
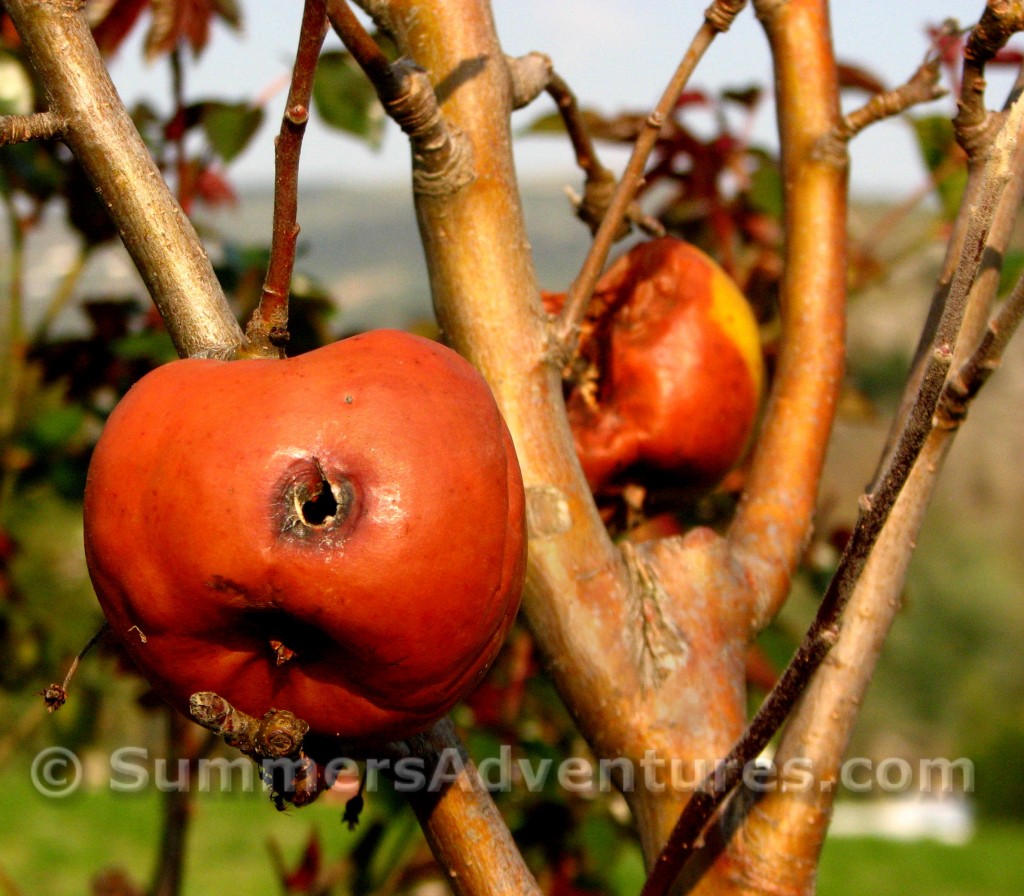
[213,188]
[111,26]
[947,44]
[175,21]
[1008,56]
[304,877]
[692,98]
[855,77]
[9,37]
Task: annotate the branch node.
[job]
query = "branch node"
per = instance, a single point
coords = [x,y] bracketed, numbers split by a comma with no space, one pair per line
[298,114]
[530,76]
[974,125]
[442,155]
[722,13]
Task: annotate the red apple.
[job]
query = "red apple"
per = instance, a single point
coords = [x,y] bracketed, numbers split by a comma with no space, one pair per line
[673,371]
[340,534]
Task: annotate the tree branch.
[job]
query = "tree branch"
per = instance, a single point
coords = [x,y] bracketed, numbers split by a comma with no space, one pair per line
[599,183]
[771,525]
[779,834]
[466,833]
[530,76]
[974,124]
[717,19]
[966,382]
[579,596]
[923,87]
[160,239]
[22,128]
[267,331]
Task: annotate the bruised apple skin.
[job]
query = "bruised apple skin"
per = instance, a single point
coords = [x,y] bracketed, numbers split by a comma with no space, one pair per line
[340,534]
[675,371]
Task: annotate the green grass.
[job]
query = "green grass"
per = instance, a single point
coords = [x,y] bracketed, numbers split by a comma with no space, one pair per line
[991,864]
[55,846]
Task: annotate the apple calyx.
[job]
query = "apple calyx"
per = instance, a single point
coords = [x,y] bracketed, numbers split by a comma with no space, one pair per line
[313,503]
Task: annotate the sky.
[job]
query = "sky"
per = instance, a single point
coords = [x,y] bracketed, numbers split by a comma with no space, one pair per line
[616,55]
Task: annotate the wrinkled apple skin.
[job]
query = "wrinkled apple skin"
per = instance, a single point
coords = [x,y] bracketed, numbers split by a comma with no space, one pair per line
[224,564]
[679,370]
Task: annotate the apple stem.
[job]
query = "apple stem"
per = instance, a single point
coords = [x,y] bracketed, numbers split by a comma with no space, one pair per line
[56,695]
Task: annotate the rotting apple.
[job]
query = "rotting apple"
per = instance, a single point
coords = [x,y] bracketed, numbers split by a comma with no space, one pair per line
[671,372]
[340,535]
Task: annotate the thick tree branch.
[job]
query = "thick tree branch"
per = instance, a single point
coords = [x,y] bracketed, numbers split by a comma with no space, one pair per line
[487,301]
[638,645]
[267,332]
[584,603]
[773,520]
[160,239]
[718,18]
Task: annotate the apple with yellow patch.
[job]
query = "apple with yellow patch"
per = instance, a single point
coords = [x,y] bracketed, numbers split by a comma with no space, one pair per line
[672,371]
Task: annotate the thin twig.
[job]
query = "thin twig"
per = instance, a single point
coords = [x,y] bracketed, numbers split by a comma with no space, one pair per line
[21,128]
[718,17]
[599,183]
[965,383]
[923,87]
[824,630]
[529,76]
[362,46]
[267,332]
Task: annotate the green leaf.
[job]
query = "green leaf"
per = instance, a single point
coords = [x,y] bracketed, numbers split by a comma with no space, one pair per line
[31,168]
[765,193]
[55,427]
[152,345]
[549,123]
[627,874]
[937,143]
[552,123]
[1013,269]
[345,99]
[230,126]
